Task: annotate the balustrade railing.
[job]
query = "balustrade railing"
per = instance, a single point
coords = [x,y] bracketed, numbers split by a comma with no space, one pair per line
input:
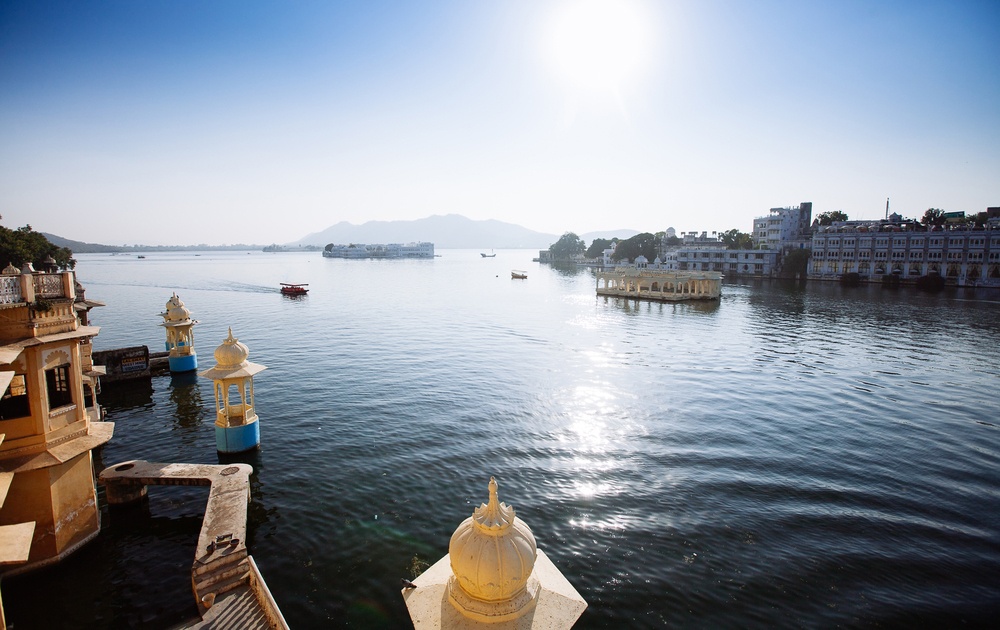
[10,289]
[48,285]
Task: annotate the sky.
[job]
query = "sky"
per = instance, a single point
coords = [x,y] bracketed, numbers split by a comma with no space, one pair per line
[221,122]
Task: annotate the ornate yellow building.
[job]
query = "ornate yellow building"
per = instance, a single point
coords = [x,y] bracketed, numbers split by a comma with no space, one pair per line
[49,415]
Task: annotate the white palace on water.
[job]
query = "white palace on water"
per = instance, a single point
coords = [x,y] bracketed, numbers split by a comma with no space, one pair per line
[659,284]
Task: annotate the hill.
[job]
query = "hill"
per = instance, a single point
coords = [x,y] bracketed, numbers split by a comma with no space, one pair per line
[451,231]
[79,247]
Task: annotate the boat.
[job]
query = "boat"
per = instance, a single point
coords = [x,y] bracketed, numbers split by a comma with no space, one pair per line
[293,289]
[517,274]
[489,255]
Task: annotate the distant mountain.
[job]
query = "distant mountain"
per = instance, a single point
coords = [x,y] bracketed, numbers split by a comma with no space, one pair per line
[79,247]
[451,231]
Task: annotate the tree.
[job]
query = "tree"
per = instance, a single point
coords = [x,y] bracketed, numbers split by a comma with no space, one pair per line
[26,245]
[827,218]
[643,244]
[977,220]
[796,263]
[734,239]
[598,245]
[933,216]
[567,247]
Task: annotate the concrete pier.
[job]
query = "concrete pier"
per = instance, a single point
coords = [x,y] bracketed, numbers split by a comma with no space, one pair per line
[222,574]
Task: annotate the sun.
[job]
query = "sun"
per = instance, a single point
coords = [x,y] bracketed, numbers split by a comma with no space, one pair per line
[597,44]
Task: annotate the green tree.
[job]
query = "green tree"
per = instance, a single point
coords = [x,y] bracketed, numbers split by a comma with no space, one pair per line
[643,244]
[933,216]
[796,263]
[977,220]
[567,247]
[827,218]
[598,245]
[26,245]
[734,239]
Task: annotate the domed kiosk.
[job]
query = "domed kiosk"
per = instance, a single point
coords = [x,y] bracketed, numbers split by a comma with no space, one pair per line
[236,424]
[180,336]
[494,575]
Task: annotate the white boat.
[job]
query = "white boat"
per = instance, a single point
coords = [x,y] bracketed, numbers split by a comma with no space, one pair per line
[517,274]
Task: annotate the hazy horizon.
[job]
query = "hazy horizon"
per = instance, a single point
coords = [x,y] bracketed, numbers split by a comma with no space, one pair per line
[228,122]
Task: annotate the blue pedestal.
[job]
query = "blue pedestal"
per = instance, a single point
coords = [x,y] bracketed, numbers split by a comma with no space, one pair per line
[237,439]
[184,363]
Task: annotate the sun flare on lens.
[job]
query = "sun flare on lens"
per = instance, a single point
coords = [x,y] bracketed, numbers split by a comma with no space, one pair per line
[597,44]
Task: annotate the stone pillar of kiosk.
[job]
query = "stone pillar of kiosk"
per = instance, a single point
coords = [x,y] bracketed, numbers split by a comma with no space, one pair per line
[494,576]
[180,336]
[236,424]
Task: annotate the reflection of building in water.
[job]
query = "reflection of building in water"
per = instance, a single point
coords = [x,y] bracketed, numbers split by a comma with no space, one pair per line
[666,286]
[186,396]
[49,416]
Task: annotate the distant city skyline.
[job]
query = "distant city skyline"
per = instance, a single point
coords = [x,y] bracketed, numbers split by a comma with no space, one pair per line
[260,122]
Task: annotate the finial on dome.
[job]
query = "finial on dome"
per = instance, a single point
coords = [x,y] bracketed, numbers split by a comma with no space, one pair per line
[230,339]
[493,517]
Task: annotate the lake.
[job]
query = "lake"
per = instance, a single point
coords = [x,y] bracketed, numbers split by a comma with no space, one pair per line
[787,456]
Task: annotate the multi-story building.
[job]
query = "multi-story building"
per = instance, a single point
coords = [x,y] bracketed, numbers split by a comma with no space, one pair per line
[784,228]
[701,252]
[49,416]
[874,249]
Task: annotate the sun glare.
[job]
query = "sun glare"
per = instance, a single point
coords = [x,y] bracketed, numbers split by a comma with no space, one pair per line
[597,43]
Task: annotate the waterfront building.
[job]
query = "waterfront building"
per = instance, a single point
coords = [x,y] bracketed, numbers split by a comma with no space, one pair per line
[180,336]
[237,428]
[964,256]
[784,228]
[392,250]
[659,285]
[49,416]
[701,252]
[493,573]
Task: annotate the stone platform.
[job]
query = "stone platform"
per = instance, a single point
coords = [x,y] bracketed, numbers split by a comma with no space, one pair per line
[222,573]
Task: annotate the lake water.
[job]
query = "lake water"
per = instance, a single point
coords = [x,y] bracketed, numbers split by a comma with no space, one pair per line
[788,456]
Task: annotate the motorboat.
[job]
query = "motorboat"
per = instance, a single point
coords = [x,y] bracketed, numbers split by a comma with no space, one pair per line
[293,289]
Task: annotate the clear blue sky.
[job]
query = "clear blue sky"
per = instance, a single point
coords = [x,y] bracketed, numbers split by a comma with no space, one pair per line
[182,122]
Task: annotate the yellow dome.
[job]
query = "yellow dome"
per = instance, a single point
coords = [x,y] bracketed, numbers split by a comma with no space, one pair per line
[231,353]
[492,556]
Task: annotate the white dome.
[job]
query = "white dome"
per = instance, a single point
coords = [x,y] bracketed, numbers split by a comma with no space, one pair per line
[492,557]
[231,353]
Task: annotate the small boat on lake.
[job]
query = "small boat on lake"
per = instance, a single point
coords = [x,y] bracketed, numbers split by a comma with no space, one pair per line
[489,255]
[517,274]
[293,289]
